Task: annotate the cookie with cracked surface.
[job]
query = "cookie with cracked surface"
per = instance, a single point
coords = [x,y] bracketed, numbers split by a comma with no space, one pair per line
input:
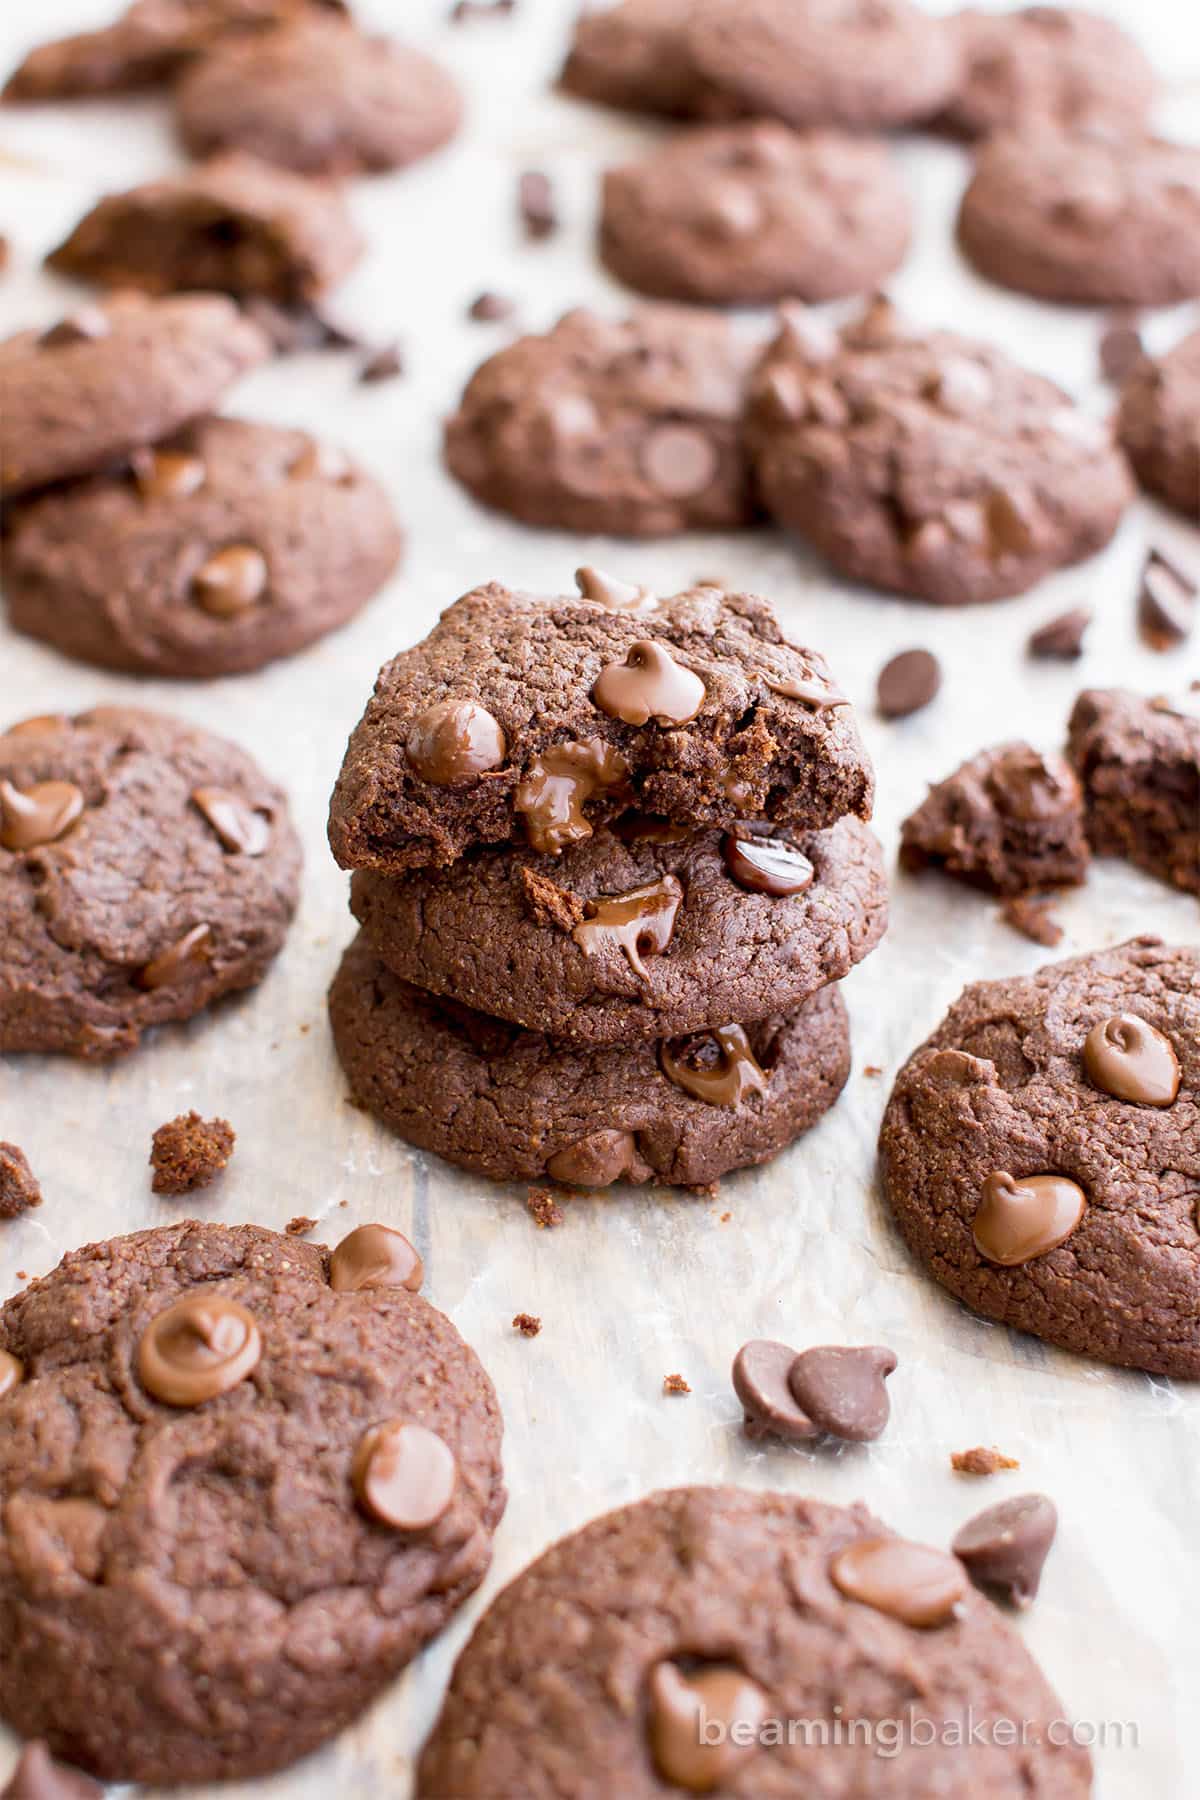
[512,1105]
[146,868]
[1100,217]
[752,212]
[225,547]
[929,464]
[1158,424]
[1139,763]
[632,426]
[632,56]
[864,65]
[1007,820]
[1062,64]
[67,397]
[643,931]
[238,1499]
[1041,1154]
[321,98]
[232,225]
[536,719]
[591,1671]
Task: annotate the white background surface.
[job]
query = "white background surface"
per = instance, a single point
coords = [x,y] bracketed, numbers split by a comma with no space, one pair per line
[639,1284]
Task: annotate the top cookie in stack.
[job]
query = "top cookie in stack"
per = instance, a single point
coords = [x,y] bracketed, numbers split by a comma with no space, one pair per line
[626,831]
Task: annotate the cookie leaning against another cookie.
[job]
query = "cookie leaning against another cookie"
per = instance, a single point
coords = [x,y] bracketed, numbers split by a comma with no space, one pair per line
[243,1482]
[1061,64]
[1158,424]
[1139,763]
[1041,1154]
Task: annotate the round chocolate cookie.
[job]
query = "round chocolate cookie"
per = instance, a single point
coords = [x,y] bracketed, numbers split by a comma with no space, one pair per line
[111,378]
[146,868]
[1061,64]
[243,1482]
[632,427]
[513,1105]
[929,465]
[1041,1154]
[755,1614]
[861,64]
[748,213]
[1092,218]
[642,931]
[227,546]
[318,97]
[632,56]
[1159,425]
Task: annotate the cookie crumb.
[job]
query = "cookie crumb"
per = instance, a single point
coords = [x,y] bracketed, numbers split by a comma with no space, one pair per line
[675,1384]
[544,1207]
[18,1188]
[299,1225]
[725,1218]
[527,1324]
[873,1070]
[189,1151]
[981,1461]
[1031,916]
[549,903]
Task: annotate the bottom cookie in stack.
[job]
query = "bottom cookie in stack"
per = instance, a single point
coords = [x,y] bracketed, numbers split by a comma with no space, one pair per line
[514,1105]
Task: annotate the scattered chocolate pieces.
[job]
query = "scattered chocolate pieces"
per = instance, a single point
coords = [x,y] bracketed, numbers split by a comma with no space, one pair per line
[841,1389]
[907,683]
[544,1207]
[18,1188]
[1030,914]
[38,1776]
[760,1381]
[527,1324]
[189,1152]
[1006,1546]
[981,1461]
[675,1384]
[535,196]
[488,307]
[384,364]
[1166,602]
[1121,347]
[1061,638]
[299,1225]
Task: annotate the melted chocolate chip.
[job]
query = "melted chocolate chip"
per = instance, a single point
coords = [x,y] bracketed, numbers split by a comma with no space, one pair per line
[1020,1220]
[760,1381]
[404,1475]
[680,1703]
[1006,1546]
[767,865]
[231,581]
[679,461]
[454,741]
[242,829]
[166,474]
[842,1389]
[552,796]
[809,691]
[1131,1060]
[639,923]
[649,684]
[374,1256]
[599,1159]
[37,815]
[12,1373]
[910,1582]
[182,961]
[717,1067]
[201,1347]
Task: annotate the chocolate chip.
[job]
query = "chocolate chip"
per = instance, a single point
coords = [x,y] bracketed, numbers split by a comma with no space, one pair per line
[599,1159]
[293,328]
[1020,1220]
[374,1256]
[552,796]
[242,829]
[197,1349]
[680,1701]
[910,1582]
[12,1373]
[37,815]
[87,326]
[639,923]
[404,1475]
[1062,637]
[1121,347]
[841,1389]
[38,1776]
[649,684]
[767,865]
[166,474]
[181,961]
[907,683]
[454,741]
[606,590]
[718,1067]
[1130,1059]
[1166,603]
[231,581]
[487,308]
[760,1381]
[464,11]
[384,364]
[678,460]
[535,196]
[1006,1546]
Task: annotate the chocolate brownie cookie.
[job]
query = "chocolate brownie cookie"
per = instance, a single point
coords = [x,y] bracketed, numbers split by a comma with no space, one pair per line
[1139,762]
[243,1481]
[146,868]
[632,427]
[512,1105]
[1041,1154]
[752,212]
[862,64]
[929,464]
[1007,820]
[643,931]
[233,225]
[590,1674]
[1094,218]
[632,55]
[318,97]
[1061,64]
[226,547]
[110,378]
[537,719]
[1159,425]
[146,46]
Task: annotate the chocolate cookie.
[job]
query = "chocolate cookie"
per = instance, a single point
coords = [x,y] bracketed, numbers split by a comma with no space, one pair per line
[1009,819]
[146,868]
[748,213]
[243,1481]
[537,719]
[229,545]
[1056,63]
[1094,218]
[642,931]
[318,97]
[233,225]
[1139,762]
[632,55]
[929,465]
[146,46]
[862,64]
[757,1613]
[111,378]
[1159,425]
[512,1105]
[632,427]
[1041,1154]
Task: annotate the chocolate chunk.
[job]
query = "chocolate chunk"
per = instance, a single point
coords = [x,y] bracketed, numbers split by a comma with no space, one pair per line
[404,1475]
[487,308]
[909,1582]
[243,830]
[189,1152]
[1030,914]
[1130,1059]
[649,684]
[39,814]
[767,865]
[981,1461]
[166,474]
[598,1160]
[535,196]
[231,582]
[717,1067]
[1006,1545]
[841,1389]
[1121,347]
[384,364]
[1019,1220]
[1166,603]
[606,590]
[527,1324]
[18,1188]
[198,1348]
[453,742]
[373,1256]
[639,923]
[38,1776]
[1062,637]
[680,1702]
[760,1381]
[907,683]
[553,794]
[181,962]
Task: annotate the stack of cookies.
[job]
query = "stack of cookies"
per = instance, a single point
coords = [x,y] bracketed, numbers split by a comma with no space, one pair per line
[609,859]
